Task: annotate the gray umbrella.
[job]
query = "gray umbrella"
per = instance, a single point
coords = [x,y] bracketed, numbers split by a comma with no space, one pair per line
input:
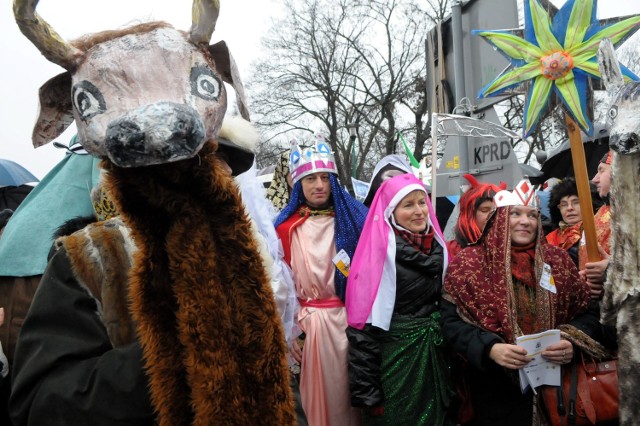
[13,174]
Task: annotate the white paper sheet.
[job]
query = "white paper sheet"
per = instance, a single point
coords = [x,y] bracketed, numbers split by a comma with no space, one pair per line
[539,371]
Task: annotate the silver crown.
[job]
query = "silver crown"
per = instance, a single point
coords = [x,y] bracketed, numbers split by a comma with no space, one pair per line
[303,162]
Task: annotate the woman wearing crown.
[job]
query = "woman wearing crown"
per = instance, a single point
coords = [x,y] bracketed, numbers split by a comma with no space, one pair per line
[508,285]
[319,230]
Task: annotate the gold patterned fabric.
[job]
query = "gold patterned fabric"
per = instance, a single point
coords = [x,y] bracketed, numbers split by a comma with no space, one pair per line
[102,203]
[566,236]
[278,192]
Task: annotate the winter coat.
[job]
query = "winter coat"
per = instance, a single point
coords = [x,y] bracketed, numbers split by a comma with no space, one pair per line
[76,360]
[418,288]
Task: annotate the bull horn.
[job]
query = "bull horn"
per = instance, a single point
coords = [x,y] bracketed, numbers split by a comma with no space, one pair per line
[43,36]
[204,15]
[609,67]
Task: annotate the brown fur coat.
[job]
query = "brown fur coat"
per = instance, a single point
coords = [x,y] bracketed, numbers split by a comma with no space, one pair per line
[205,313]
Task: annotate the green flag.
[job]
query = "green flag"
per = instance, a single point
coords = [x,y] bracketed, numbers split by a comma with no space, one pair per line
[412,159]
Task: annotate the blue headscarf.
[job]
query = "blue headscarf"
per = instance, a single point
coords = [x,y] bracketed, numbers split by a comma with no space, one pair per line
[349,220]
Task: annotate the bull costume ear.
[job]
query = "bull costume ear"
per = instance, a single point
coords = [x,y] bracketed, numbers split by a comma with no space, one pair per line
[56,109]
[226,66]
[55,103]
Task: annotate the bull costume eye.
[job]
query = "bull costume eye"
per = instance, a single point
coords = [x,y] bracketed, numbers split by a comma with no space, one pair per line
[87,100]
[204,83]
[613,112]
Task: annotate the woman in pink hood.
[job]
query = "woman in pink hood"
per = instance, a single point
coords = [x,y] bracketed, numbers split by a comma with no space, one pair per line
[398,370]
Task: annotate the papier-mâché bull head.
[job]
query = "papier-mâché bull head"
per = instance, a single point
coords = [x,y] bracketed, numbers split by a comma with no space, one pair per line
[144,95]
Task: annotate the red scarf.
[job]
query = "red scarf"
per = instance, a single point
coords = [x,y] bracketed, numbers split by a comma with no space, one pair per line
[420,242]
[566,236]
[523,264]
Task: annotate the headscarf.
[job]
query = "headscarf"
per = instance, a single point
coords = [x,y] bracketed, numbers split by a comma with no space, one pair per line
[390,162]
[371,289]
[466,229]
[278,191]
[480,283]
[350,215]
[607,158]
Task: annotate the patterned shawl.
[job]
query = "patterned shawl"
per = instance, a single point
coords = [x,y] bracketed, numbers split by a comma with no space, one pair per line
[349,219]
[602,222]
[480,283]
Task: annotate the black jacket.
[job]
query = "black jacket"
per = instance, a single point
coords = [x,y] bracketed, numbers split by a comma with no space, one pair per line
[418,288]
[66,371]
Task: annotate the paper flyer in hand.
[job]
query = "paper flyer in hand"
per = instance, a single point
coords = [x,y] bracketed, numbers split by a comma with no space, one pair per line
[539,371]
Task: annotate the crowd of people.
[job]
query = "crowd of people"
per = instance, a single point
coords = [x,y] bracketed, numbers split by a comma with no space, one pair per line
[386,321]
[432,324]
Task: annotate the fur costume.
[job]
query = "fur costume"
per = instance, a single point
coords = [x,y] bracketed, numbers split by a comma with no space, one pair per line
[208,325]
[622,289]
[101,257]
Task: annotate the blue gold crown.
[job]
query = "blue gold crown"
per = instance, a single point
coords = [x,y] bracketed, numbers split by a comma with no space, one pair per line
[303,162]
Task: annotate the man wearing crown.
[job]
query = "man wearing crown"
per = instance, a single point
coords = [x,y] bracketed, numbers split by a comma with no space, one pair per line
[319,230]
[511,283]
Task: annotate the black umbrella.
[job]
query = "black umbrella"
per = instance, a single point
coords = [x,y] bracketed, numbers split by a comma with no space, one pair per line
[12,196]
[559,164]
[535,176]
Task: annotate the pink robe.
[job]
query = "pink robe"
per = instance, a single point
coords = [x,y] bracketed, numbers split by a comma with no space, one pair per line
[324,379]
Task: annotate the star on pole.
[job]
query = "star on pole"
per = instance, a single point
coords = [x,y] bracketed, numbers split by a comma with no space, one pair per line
[556,55]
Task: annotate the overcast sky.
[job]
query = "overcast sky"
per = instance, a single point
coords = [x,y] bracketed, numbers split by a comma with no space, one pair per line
[24,69]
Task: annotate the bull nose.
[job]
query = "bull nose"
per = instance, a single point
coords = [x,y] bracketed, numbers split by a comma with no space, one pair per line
[628,143]
[125,134]
[155,134]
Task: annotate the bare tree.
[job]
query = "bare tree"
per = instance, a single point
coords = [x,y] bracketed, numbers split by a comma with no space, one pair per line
[437,10]
[334,65]
[296,89]
[629,53]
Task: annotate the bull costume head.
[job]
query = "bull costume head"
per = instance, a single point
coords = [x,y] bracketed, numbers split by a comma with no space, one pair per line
[621,116]
[149,100]
[149,94]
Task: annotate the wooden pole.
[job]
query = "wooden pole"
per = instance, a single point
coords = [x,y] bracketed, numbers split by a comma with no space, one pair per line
[434,158]
[584,192]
